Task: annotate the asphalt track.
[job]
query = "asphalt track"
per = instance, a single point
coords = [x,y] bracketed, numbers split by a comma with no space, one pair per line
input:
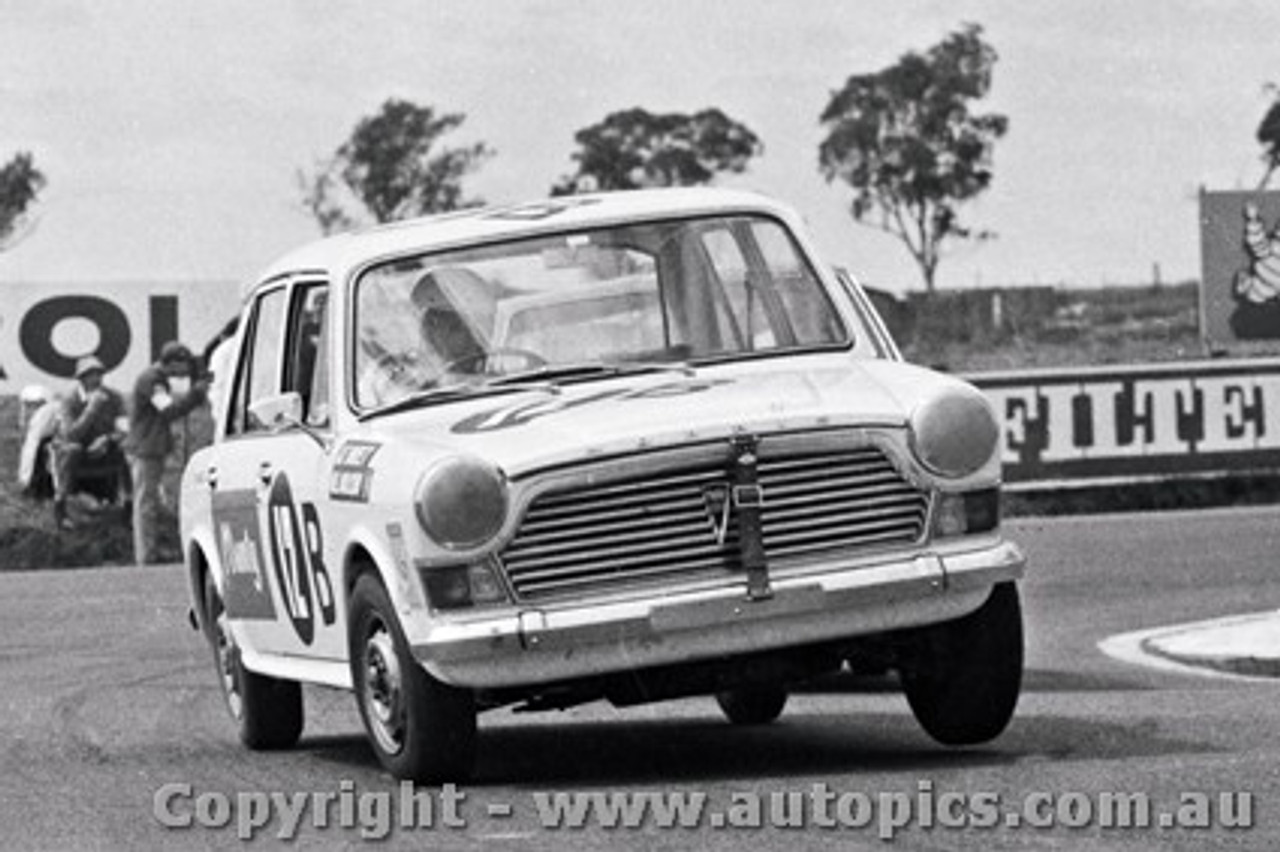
[110,700]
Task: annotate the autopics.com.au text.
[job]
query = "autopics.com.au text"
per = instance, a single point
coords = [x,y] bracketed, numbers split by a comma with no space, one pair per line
[375,814]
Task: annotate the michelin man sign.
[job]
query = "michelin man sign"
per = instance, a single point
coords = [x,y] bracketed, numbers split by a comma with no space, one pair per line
[1240,252]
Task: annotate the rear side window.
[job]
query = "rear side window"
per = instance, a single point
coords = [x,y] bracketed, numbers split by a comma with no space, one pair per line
[259,374]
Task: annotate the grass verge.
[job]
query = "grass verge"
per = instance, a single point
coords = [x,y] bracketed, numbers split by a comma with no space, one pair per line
[100,535]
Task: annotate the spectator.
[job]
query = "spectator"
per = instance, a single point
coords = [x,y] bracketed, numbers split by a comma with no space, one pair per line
[39,419]
[155,407]
[88,434]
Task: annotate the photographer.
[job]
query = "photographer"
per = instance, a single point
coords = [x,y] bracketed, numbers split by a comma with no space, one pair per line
[155,407]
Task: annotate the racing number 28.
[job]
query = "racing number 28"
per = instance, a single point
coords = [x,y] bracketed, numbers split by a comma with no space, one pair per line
[297,554]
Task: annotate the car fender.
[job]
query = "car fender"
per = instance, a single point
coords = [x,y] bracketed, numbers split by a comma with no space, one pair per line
[384,551]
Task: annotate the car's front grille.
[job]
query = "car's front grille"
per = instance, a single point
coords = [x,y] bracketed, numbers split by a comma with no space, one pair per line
[825,502]
[648,528]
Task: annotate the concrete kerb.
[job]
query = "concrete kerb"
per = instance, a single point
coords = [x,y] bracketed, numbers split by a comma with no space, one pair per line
[1246,645]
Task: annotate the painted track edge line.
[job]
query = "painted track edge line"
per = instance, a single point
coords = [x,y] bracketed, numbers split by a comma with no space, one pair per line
[1137,648]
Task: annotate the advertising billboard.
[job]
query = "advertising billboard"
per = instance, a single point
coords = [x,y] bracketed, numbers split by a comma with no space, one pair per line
[1240,256]
[46,327]
[1136,423]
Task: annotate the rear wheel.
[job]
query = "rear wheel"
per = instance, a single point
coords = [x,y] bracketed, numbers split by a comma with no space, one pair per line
[422,730]
[752,705]
[962,678]
[267,711]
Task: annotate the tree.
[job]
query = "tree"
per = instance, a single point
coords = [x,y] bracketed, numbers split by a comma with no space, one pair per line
[905,140]
[1269,136]
[634,148]
[392,168]
[20,183]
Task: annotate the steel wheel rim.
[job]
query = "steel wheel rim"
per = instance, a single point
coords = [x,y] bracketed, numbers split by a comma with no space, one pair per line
[228,665]
[383,687]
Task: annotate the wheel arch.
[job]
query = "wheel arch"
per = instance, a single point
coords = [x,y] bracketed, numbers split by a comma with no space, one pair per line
[356,562]
[366,553]
[200,566]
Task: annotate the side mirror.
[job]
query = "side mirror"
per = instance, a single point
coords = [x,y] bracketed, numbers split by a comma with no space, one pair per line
[277,413]
[283,412]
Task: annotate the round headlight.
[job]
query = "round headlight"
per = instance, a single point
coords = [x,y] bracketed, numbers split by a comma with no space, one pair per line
[954,433]
[462,503]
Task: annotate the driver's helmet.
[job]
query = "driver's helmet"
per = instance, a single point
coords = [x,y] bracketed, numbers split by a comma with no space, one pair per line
[444,330]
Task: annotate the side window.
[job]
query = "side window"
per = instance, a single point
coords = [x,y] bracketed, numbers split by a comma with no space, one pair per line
[259,374]
[308,367]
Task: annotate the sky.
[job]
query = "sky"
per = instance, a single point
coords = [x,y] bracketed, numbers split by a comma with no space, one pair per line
[172,131]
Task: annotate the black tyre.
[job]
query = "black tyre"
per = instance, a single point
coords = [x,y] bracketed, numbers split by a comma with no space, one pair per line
[422,730]
[268,711]
[962,678]
[752,705]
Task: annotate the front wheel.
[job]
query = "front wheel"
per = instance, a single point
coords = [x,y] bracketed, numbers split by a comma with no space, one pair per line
[422,730]
[268,711]
[962,678]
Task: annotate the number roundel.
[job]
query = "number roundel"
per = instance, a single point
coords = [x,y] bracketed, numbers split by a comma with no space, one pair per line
[289,556]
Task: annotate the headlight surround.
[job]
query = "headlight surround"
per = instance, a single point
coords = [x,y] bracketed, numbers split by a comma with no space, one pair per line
[461,503]
[954,433]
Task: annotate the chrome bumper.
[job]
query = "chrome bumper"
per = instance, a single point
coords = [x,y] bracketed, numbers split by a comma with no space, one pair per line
[561,642]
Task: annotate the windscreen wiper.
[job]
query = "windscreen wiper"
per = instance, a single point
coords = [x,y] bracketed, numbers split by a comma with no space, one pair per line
[585,371]
[430,396]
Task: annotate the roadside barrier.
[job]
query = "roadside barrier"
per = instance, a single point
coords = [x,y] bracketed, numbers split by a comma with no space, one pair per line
[1119,425]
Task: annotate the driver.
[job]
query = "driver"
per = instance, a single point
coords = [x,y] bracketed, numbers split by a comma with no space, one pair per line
[445,332]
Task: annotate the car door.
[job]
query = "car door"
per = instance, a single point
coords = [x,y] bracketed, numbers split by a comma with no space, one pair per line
[265,485]
[296,499]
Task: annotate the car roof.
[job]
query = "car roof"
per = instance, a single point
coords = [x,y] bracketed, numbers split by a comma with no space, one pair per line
[337,256]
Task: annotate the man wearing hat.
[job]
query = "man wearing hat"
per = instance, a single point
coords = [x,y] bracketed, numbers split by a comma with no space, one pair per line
[88,432]
[154,408]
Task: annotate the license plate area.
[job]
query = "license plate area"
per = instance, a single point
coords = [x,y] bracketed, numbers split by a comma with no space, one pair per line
[699,614]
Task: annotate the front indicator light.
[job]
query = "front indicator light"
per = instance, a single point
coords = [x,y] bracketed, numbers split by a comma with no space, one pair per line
[462,586]
[967,513]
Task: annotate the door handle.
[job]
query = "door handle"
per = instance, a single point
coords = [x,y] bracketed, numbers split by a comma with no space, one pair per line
[264,472]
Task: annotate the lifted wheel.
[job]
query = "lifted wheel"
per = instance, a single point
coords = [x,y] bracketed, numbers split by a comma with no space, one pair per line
[268,711]
[422,730]
[962,678]
[752,705]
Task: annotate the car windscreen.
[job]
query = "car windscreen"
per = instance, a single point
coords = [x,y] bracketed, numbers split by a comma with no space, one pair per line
[671,291]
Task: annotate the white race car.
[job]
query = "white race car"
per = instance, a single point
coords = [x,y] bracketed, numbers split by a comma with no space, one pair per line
[627,446]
